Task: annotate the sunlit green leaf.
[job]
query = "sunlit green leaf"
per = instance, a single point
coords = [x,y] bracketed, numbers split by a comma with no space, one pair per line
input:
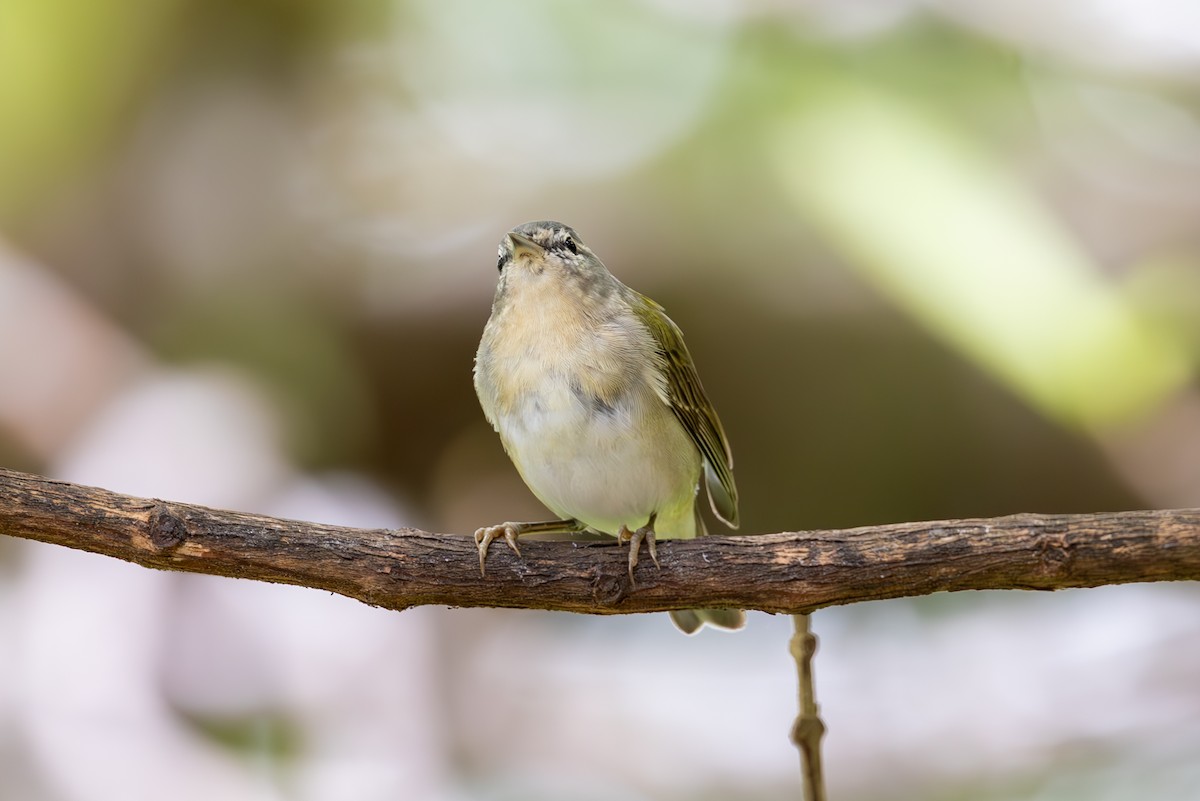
[945,233]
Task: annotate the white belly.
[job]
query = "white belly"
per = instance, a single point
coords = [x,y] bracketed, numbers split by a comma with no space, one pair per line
[608,466]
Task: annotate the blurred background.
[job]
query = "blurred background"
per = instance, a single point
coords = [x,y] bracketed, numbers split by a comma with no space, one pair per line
[933,259]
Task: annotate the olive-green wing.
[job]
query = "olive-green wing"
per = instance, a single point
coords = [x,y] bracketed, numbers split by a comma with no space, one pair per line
[692,408]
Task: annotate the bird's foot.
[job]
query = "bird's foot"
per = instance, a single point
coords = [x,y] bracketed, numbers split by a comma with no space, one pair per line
[510,531]
[635,539]
[484,537]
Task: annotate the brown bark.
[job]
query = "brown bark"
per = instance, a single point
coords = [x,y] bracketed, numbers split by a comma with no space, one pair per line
[790,572]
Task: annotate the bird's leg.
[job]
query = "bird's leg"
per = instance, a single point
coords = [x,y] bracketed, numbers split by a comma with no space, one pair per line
[510,531]
[635,538]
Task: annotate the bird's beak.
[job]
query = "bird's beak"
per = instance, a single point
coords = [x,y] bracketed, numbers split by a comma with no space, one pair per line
[524,246]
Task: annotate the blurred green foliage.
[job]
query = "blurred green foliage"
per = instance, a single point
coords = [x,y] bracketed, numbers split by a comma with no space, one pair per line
[879,295]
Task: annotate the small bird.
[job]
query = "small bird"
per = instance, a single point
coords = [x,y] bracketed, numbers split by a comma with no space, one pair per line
[598,404]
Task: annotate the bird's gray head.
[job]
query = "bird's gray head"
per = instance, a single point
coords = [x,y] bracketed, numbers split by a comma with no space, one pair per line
[548,259]
[547,245]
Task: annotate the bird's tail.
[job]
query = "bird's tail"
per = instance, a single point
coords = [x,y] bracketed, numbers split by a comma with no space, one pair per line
[689,621]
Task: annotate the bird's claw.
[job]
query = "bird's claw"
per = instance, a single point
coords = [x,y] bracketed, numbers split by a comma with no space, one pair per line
[484,537]
[635,539]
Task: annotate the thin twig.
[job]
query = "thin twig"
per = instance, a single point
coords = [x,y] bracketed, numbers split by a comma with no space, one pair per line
[808,729]
[791,572]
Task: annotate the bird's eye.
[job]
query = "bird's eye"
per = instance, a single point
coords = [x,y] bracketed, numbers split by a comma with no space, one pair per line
[570,245]
[500,263]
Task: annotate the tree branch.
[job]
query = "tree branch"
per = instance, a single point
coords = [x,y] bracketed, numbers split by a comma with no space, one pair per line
[788,572]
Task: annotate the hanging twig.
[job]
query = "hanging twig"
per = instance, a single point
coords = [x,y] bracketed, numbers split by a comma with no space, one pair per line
[808,729]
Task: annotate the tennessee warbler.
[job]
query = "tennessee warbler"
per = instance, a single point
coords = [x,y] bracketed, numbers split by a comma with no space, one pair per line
[598,404]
